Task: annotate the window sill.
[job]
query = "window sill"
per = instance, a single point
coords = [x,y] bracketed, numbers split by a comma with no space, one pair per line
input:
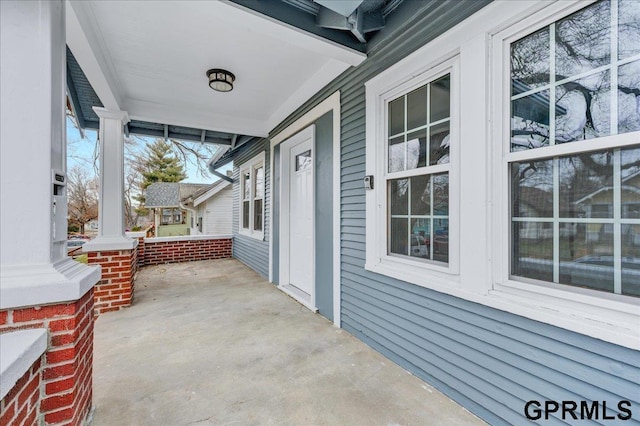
[429,275]
[252,234]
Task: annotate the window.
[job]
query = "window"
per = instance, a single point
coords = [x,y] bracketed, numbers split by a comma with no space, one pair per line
[410,152]
[171,216]
[252,179]
[418,151]
[574,168]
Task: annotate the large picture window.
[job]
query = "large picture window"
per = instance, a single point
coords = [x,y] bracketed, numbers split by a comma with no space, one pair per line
[575,171]
[252,178]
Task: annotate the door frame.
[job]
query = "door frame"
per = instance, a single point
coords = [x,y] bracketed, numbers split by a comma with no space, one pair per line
[330,104]
[285,209]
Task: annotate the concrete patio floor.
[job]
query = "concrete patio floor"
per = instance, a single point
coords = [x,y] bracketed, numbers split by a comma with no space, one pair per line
[212,342]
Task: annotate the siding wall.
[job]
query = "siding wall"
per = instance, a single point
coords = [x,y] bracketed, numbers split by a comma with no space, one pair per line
[490,361]
[218,219]
[250,251]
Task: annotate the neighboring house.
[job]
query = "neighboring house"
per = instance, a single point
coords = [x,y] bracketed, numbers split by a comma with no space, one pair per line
[211,209]
[171,217]
[358,207]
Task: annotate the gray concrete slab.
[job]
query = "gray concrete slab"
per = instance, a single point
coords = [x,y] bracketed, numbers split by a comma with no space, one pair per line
[212,343]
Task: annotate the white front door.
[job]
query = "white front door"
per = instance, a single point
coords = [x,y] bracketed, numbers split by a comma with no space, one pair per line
[301,216]
[297,270]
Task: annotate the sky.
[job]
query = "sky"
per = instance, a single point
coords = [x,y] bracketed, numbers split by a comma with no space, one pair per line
[80,152]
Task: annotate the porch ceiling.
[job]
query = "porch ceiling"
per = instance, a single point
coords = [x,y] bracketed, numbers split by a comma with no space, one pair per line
[150,58]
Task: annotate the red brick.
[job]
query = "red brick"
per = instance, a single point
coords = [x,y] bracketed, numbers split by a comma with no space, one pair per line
[58,401]
[59,416]
[28,390]
[36,313]
[54,357]
[62,325]
[4,317]
[22,414]
[9,412]
[59,386]
[58,371]
[62,339]
[31,418]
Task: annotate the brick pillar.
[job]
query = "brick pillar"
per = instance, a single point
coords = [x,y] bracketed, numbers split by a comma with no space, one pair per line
[65,387]
[115,289]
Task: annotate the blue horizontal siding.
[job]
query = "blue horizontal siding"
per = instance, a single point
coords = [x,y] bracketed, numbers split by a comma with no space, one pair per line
[250,251]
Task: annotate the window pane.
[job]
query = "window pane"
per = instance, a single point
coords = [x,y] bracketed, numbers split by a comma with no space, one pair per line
[257,215]
[397,148]
[303,161]
[398,238]
[245,214]
[586,256]
[247,186]
[586,185]
[631,260]
[530,62]
[420,238]
[628,28]
[583,108]
[532,189]
[417,108]
[420,196]
[630,183]
[439,141]
[629,96]
[583,40]
[530,121]
[417,149]
[440,98]
[441,194]
[441,240]
[259,184]
[532,250]
[399,196]
[396,116]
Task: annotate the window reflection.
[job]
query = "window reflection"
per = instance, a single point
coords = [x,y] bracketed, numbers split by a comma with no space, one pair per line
[574,215]
[574,101]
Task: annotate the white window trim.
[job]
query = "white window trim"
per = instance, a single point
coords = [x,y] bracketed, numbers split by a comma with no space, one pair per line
[379,93]
[483,239]
[606,316]
[250,167]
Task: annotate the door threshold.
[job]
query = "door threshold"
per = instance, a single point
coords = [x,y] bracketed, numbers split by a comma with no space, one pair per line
[299,295]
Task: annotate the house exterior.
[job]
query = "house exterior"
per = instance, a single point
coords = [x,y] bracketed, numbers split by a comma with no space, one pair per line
[411,159]
[377,156]
[170,216]
[211,209]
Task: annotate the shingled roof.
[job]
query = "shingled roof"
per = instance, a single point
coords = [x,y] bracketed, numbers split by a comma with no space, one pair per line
[169,194]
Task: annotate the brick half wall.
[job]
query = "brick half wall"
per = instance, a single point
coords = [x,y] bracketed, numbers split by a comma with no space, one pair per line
[185,249]
[65,381]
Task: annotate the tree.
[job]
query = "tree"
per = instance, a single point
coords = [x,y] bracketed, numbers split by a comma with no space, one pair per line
[157,163]
[82,197]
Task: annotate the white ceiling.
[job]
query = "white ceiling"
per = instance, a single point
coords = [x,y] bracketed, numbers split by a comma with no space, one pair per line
[149,58]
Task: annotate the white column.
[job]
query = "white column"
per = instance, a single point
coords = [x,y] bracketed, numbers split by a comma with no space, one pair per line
[111,234]
[35,267]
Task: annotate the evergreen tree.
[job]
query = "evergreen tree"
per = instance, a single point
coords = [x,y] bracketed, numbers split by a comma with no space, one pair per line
[158,164]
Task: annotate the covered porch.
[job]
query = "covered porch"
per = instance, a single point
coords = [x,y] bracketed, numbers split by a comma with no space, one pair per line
[211,342]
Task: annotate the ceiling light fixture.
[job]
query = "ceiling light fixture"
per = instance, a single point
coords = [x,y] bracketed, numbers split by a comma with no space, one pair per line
[221,80]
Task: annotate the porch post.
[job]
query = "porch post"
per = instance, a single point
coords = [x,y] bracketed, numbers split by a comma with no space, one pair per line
[112,249]
[40,287]
[111,198]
